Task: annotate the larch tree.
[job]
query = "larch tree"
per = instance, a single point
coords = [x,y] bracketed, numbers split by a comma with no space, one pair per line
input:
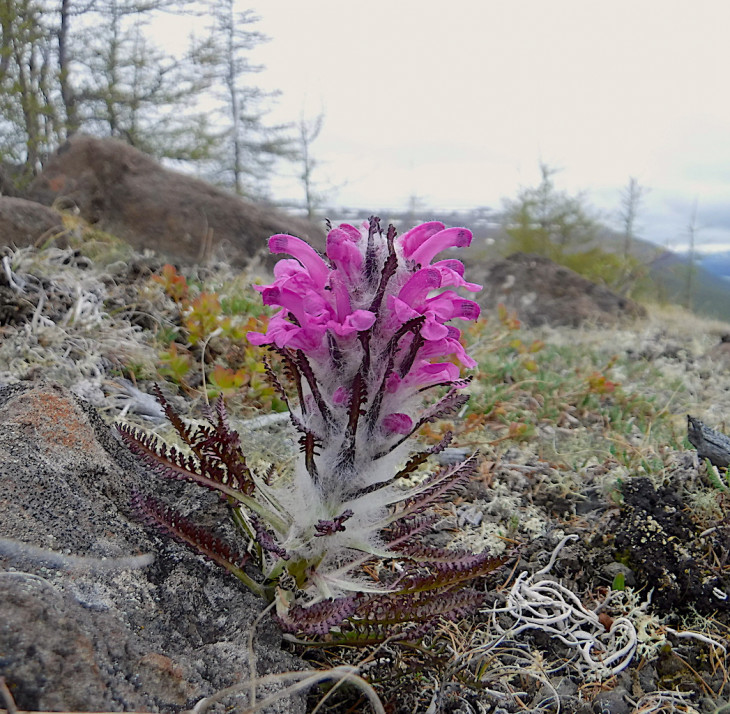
[30,125]
[131,89]
[309,130]
[631,198]
[90,66]
[249,146]
[547,221]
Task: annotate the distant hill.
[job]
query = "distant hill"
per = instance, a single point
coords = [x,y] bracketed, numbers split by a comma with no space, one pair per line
[718,264]
[710,291]
[667,270]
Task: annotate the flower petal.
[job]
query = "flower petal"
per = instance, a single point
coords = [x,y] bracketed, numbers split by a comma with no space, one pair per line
[392,382]
[419,285]
[433,373]
[433,330]
[258,338]
[361,319]
[304,253]
[452,273]
[342,250]
[402,310]
[434,244]
[446,347]
[448,305]
[355,322]
[339,396]
[352,233]
[413,238]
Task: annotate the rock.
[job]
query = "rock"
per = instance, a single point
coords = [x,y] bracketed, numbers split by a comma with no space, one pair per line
[710,444]
[129,194]
[80,628]
[24,223]
[615,702]
[721,351]
[542,292]
[12,178]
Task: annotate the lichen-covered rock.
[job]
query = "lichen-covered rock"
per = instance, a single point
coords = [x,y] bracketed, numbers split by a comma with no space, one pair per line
[79,629]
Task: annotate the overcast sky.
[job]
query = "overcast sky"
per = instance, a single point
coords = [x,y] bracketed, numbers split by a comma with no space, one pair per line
[458,101]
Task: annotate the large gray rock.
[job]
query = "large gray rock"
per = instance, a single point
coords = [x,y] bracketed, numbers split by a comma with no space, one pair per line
[132,196]
[81,636]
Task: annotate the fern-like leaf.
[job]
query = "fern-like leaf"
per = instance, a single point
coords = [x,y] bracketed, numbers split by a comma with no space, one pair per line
[410,357]
[388,271]
[168,520]
[357,398]
[410,466]
[371,258]
[426,607]
[335,525]
[317,619]
[168,462]
[266,540]
[443,576]
[276,384]
[186,432]
[338,359]
[437,487]
[305,369]
[222,446]
[291,371]
[418,459]
[451,558]
[308,445]
[406,529]
[456,383]
[364,633]
[451,402]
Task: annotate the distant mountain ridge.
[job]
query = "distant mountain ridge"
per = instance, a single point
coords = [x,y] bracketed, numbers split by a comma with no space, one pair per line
[716,263]
[710,279]
[710,290]
[668,270]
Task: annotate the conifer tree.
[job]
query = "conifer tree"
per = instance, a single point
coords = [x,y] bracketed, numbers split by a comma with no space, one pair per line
[249,147]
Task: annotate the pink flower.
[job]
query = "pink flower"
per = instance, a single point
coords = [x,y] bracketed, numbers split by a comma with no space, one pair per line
[413,238]
[427,373]
[357,321]
[372,292]
[339,396]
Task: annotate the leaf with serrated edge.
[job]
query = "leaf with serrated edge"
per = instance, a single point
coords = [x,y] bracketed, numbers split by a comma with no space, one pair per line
[431,490]
[157,457]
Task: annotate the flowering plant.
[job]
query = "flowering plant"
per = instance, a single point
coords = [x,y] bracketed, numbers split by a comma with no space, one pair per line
[363,334]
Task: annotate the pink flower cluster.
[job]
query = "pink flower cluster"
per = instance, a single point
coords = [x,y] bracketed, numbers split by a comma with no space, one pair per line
[374,284]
